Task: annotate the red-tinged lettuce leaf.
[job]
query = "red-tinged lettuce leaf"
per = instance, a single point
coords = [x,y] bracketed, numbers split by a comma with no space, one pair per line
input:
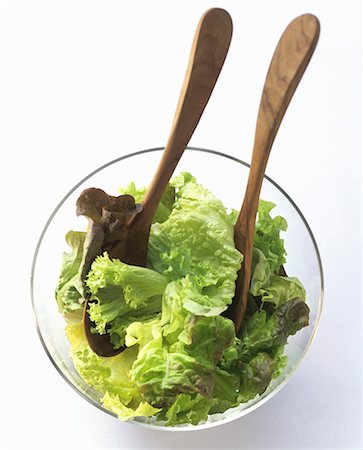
[263,333]
[108,218]
[255,376]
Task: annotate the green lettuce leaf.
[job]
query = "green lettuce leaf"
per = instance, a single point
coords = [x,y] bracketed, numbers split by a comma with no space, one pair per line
[261,272]
[195,408]
[104,374]
[271,287]
[267,334]
[166,203]
[117,328]
[225,393]
[159,374]
[109,376]
[206,338]
[188,366]
[120,294]
[282,289]
[188,408]
[173,313]
[114,403]
[69,291]
[195,244]
[267,235]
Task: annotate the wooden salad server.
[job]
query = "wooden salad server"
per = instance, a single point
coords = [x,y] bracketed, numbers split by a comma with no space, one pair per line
[288,64]
[209,50]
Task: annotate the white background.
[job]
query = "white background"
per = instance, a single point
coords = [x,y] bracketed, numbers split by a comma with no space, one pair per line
[86,82]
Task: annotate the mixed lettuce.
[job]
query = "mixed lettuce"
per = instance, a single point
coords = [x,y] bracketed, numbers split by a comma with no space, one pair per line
[182,360]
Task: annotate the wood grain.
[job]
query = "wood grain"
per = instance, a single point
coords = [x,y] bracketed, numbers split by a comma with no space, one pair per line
[209,50]
[288,64]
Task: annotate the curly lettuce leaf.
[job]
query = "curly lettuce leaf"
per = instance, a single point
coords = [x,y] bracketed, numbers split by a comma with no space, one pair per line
[267,334]
[206,338]
[69,291]
[117,328]
[121,294]
[159,374]
[267,235]
[188,366]
[271,287]
[257,355]
[104,374]
[261,272]
[188,408]
[195,244]
[109,376]
[136,284]
[195,408]
[282,289]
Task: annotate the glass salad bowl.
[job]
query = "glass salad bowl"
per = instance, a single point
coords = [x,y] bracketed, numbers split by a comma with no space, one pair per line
[226,177]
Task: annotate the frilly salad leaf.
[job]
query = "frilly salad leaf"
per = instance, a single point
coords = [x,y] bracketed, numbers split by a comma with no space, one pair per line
[104,374]
[69,291]
[257,356]
[182,360]
[196,244]
[162,373]
[121,294]
[267,333]
[107,216]
[267,235]
[109,376]
[271,287]
[165,205]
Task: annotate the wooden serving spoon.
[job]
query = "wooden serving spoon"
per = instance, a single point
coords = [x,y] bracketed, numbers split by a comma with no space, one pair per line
[209,50]
[288,64]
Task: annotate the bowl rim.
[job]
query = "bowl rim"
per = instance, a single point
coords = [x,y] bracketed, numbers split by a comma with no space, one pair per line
[188,427]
